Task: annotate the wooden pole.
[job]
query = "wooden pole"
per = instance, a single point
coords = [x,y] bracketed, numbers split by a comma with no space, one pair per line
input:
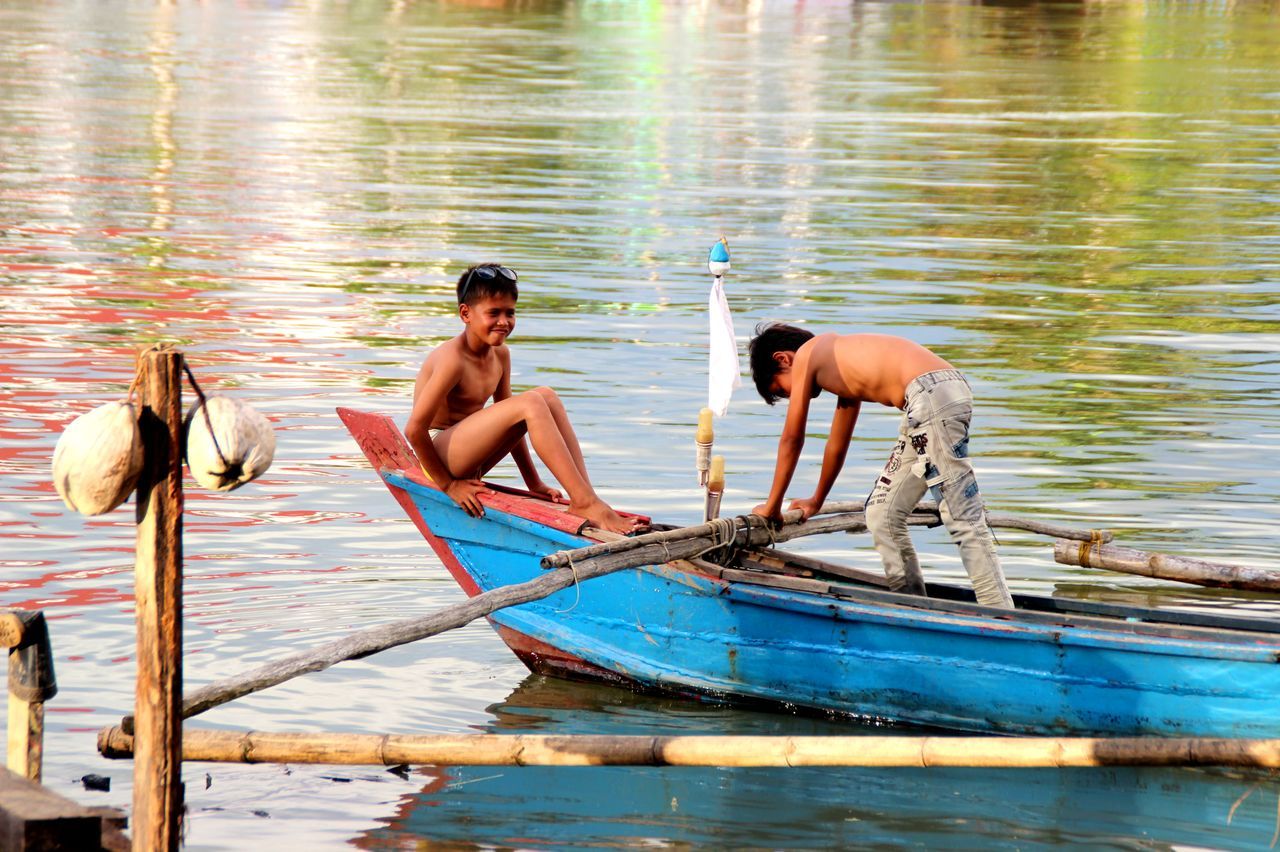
[25,735]
[1182,569]
[836,517]
[157,773]
[606,750]
[362,643]
[19,730]
[31,684]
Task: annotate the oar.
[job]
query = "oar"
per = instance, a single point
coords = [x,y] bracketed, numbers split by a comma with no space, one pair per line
[373,639]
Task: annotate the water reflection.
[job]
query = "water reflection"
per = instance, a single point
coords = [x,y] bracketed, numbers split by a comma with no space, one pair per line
[483,807]
[1074,201]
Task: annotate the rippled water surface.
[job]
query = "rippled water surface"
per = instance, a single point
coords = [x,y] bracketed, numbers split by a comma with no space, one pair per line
[1076,203]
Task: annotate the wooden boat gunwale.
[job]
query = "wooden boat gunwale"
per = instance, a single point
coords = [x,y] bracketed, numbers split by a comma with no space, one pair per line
[950,601]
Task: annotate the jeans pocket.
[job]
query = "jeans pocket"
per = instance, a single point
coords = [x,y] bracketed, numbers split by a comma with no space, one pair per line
[963,499]
[955,435]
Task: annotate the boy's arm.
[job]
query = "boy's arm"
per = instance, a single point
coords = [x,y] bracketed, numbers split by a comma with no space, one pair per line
[445,375]
[520,452]
[842,423]
[792,440]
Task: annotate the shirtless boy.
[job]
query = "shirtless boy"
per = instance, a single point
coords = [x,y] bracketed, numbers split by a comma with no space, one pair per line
[932,450]
[458,439]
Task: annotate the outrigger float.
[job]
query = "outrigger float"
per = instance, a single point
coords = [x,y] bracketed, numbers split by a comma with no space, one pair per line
[719,611]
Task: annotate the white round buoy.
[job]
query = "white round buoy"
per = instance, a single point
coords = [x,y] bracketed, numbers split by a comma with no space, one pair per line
[245,438]
[98,459]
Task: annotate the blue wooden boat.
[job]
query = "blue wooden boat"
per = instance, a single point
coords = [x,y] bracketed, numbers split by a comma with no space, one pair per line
[797,632]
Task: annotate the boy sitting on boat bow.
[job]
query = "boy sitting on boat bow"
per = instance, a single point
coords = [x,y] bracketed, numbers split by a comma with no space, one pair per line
[458,439]
[932,450]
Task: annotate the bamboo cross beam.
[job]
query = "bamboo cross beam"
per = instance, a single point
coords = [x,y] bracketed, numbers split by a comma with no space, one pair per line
[777,751]
[925,514]
[1182,569]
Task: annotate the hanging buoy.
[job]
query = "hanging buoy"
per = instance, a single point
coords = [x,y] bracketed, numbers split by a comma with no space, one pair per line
[98,459]
[238,450]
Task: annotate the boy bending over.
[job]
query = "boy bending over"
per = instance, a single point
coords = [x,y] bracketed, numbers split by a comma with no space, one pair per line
[458,439]
[932,449]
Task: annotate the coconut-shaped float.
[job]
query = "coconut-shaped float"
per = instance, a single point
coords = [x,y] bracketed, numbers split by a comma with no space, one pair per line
[228,443]
[98,459]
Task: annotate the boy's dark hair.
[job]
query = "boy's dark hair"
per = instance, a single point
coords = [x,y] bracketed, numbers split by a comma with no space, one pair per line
[485,280]
[772,338]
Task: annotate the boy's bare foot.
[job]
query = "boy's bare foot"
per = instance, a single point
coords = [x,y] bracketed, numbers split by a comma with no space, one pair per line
[599,514]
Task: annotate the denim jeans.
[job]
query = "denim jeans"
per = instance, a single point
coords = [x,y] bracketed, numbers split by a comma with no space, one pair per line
[932,453]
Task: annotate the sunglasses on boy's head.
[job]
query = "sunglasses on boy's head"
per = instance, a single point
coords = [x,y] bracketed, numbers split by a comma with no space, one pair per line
[488,273]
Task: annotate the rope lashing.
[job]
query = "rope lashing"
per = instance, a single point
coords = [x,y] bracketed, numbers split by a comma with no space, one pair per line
[1094,544]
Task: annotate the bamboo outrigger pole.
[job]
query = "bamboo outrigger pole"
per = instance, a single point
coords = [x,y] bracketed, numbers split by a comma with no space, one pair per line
[606,750]
[1162,566]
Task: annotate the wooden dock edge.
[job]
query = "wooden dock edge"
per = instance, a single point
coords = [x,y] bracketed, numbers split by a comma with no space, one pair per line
[33,817]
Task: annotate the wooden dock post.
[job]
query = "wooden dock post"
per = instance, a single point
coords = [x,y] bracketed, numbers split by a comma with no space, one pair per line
[31,684]
[157,771]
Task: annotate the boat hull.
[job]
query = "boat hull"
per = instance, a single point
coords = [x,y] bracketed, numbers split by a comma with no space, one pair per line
[856,651]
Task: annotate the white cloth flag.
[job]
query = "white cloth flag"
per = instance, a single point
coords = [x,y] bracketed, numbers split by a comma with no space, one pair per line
[725,373]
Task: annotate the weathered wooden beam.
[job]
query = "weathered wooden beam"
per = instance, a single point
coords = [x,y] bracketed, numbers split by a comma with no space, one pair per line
[606,750]
[371,640]
[157,784]
[33,818]
[1182,569]
[26,737]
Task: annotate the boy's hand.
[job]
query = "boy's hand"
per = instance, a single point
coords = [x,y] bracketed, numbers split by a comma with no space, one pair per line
[466,493]
[773,516]
[547,492]
[807,507]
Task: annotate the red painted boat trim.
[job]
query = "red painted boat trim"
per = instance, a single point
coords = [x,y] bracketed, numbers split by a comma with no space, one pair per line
[386,449]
